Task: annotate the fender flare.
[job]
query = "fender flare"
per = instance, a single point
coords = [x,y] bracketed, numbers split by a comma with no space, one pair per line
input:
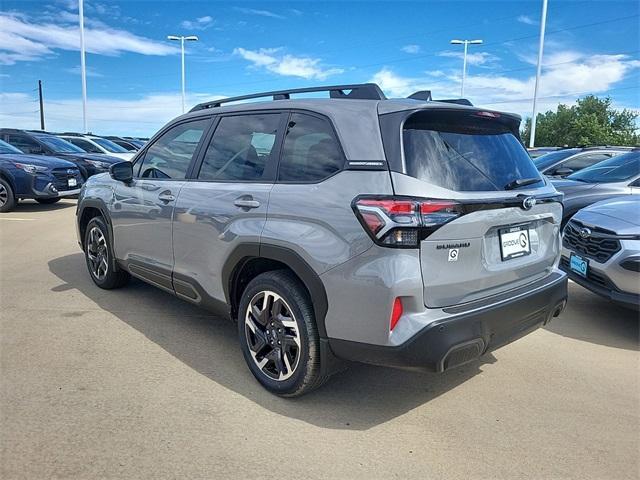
[311,280]
[100,205]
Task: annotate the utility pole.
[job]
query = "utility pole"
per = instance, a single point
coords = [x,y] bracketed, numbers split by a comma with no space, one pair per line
[466,44]
[83,67]
[182,39]
[41,105]
[543,24]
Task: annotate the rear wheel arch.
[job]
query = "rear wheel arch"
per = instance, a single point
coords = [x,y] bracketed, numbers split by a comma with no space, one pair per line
[251,259]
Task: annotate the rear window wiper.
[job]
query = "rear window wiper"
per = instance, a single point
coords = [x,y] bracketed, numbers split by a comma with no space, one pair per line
[521,182]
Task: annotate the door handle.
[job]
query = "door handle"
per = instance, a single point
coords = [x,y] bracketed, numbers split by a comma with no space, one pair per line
[166,196]
[246,203]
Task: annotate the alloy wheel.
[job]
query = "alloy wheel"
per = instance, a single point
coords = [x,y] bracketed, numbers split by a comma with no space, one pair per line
[4,195]
[97,253]
[272,335]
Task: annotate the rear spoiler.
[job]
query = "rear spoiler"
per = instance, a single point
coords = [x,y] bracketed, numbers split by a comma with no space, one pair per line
[425,95]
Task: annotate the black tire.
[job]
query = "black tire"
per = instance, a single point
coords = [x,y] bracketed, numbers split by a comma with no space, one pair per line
[7,197]
[305,375]
[109,276]
[48,201]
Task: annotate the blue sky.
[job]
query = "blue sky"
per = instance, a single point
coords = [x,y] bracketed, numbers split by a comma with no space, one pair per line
[134,72]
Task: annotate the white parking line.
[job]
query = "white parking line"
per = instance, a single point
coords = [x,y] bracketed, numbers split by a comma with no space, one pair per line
[19,219]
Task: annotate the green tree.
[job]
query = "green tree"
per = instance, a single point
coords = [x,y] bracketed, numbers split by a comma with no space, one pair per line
[592,121]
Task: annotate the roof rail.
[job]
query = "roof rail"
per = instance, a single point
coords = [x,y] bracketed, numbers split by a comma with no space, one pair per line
[360,91]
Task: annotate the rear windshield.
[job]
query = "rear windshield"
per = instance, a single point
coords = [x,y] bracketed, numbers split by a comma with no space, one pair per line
[617,169]
[465,152]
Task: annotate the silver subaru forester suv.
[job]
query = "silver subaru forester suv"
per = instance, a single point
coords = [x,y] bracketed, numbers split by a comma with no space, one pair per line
[399,232]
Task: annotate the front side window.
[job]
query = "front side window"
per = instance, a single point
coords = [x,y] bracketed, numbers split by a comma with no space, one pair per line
[171,154]
[310,152]
[240,148]
[464,152]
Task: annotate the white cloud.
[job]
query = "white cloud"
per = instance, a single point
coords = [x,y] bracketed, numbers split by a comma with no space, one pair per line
[23,40]
[473,58]
[201,23]
[260,13]
[578,75]
[272,60]
[91,72]
[411,49]
[527,20]
[142,116]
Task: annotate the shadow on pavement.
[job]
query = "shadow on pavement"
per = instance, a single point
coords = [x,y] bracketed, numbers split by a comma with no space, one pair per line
[591,318]
[33,206]
[359,398]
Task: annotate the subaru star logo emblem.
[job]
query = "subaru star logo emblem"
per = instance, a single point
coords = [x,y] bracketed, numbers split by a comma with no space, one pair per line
[585,232]
[71,171]
[528,203]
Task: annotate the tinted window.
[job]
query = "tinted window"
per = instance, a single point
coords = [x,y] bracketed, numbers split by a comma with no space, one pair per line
[464,153]
[240,148]
[310,152]
[548,159]
[84,145]
[109,146]
[170,155]
[617,169]
[584,161]
[24,143]
[59,145]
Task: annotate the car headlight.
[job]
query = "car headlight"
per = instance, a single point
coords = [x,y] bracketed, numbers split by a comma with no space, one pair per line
[27,167]
[99,164]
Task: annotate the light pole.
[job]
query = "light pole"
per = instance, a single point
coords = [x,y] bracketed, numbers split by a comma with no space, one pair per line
[83,67]
[466,44]
[182,39]
[543,24]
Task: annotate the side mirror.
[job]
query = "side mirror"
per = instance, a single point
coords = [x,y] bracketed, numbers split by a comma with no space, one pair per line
[122,171]
[563,171]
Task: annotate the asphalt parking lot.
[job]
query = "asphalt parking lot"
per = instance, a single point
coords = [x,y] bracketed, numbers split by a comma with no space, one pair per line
[135,383]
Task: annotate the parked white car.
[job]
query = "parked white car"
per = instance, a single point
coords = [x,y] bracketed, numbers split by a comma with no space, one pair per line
[95,144]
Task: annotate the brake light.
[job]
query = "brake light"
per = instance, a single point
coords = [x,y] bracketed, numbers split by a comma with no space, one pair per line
[396,313]
[402,222]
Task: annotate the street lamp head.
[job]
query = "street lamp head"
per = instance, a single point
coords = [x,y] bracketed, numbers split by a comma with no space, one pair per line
[475,42]
[191,38]
[456,42]
[173,37]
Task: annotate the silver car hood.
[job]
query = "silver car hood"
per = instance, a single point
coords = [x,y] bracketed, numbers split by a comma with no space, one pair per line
[621,215]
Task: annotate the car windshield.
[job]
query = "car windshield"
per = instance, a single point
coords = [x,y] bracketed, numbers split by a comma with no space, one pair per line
[548,159]
[59,145]
[6,148]
[109,146]
[617,169]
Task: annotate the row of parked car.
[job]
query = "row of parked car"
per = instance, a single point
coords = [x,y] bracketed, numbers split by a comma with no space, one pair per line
[601,219]
[47,167]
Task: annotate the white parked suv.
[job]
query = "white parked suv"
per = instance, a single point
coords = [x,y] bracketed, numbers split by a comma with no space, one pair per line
[95,144]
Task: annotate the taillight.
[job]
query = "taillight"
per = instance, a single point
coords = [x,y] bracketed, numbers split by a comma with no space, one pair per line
[403,222]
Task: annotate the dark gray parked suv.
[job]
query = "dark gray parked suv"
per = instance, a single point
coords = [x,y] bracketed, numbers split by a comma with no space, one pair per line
[408,232]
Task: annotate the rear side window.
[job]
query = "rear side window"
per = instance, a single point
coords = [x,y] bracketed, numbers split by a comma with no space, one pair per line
[310,152]
[171,154]
[240,148]
[465,152]
[584,161]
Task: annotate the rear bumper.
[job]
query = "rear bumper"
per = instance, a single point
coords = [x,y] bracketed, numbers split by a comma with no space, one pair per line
[459,339]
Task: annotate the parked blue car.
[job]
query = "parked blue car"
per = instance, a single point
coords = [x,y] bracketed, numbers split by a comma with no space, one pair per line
[44,179]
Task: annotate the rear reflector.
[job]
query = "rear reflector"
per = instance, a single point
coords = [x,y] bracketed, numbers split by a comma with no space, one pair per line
[396,313]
